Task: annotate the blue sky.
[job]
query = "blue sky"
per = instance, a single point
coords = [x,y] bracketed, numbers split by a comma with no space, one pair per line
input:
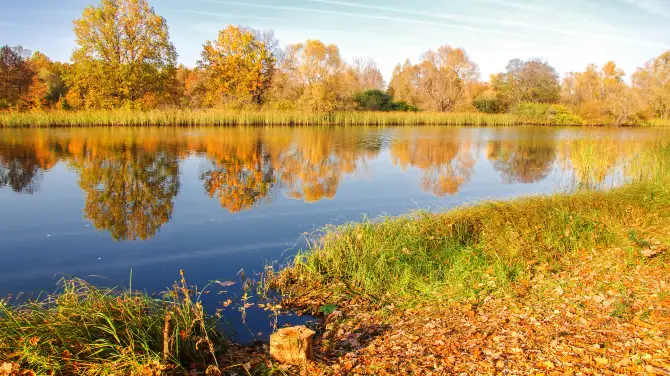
[567,33]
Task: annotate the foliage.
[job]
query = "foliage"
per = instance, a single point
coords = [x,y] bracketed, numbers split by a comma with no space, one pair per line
[15,76]
[83,329]
[124,57]
[527,81]
[438,83]
[654,82]
[546,114]
[489,103]
[377,100]
[601,96]
[238,67]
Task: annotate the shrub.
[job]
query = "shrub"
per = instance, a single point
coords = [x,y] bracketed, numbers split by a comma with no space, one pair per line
[377,100]
[547,114]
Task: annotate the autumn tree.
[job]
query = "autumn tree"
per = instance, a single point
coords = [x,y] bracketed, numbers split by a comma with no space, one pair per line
[366,75]
[194,90]
[404,83]
[124,57]
[600,95]
[439,82]
[238,67]
[47,89]
[16,76]
[527,81]
[654,82]
[313,74]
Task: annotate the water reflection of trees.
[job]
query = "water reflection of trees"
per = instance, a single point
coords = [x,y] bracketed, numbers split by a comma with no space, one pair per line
[246,166]
[129,191]
[130,177]
[526,160]
[22,166]
[446,162]
[239,173]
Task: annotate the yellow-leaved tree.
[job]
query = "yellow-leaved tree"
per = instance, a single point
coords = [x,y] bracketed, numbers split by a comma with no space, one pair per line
[442,80]
[654,82]
[314,73]
[124,57]
[238,67]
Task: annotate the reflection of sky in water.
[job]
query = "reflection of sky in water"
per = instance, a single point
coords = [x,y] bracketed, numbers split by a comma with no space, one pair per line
[153,184]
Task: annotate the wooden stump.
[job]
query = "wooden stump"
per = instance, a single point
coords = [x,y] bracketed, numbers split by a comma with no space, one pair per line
[292,345]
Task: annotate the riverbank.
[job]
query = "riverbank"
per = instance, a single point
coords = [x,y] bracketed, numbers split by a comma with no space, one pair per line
[259,118]
[556,283]
[564,283]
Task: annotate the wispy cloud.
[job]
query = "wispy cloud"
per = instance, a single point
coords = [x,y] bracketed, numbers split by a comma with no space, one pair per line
[659,8]
[223,15]
[386,18]
[516,5]
[490,21]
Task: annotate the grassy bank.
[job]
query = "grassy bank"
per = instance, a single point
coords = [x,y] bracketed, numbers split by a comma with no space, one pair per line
[472,251]
[558,284]
[83,329]
[486,248]
[232,118]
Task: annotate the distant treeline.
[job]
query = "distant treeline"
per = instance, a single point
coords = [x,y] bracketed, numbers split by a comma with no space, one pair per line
[124,59]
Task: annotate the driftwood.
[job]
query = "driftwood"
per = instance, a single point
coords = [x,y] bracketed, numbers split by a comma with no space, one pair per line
[292,345]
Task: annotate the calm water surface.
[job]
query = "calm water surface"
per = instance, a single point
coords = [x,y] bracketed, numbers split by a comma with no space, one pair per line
[100,202]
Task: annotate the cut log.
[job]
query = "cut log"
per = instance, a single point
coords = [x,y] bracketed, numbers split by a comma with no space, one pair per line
[292,345]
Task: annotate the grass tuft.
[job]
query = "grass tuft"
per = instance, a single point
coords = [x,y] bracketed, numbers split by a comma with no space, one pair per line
[83,329]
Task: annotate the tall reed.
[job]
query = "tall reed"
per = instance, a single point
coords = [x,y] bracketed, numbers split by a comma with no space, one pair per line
[241,118]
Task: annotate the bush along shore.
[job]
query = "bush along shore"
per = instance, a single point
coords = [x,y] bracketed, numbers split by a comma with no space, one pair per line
[565,283]
[529,115]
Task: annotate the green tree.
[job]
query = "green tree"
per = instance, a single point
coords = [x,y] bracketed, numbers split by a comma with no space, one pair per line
[527,81]
[124,57]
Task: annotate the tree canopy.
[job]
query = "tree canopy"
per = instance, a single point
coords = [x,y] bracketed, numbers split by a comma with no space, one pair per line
[124,57]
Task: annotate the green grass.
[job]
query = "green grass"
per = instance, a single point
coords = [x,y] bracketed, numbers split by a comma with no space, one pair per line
[546,114]
[658,123]
[83,329]
[477,250]
[232,118]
